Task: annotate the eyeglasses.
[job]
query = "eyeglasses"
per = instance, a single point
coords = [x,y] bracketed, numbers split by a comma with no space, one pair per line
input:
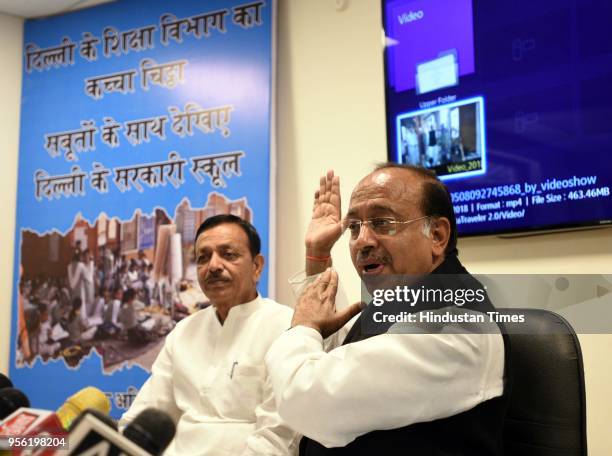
[381,226]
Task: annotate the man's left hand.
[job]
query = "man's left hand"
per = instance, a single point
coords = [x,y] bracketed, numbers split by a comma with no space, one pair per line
[316,308]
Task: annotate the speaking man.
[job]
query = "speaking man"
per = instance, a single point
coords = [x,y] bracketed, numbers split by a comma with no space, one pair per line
[210,375]
[433,393]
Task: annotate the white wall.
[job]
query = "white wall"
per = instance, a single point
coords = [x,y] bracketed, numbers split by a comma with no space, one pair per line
[331,115]
[11,39]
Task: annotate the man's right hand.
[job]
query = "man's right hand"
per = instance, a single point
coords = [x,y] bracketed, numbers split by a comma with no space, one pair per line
[325,227]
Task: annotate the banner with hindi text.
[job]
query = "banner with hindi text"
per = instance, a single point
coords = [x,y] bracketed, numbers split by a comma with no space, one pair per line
[139,120]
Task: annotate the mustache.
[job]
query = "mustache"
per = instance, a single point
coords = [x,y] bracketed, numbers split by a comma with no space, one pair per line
[214,276]
[374,257]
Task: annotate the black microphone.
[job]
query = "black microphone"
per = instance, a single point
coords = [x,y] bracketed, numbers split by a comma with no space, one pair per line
[103,417]
[95,434]
[10,400]
[152,430]
[5,382]
[91,439]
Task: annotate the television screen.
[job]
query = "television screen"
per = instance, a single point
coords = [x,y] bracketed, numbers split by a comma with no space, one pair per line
[510,103]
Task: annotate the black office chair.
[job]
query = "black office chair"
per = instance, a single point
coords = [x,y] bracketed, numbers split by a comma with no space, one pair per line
[547,404]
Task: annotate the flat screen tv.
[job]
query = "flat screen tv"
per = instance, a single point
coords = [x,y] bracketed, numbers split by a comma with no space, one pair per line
[510,103]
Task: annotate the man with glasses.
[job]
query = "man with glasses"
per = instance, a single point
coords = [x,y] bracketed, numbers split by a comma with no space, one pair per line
[434,393]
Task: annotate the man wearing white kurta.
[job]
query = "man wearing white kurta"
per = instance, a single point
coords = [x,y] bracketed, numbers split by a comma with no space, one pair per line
[429,393]
[210,376]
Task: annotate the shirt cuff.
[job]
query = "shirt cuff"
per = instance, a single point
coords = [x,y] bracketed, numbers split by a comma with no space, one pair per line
[308,332]
[299,281]
[299,339]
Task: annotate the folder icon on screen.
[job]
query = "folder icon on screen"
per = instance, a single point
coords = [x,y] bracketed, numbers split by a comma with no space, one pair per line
[437,74]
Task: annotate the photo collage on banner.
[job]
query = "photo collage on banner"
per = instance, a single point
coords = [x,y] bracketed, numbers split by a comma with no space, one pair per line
[137,123]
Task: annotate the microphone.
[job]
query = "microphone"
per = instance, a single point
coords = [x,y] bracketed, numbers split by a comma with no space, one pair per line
[5,382]
[91,438]
[59,422]
[149,434]
[97,414]
[152,430]
[87,398]
[29,422]
[10,400]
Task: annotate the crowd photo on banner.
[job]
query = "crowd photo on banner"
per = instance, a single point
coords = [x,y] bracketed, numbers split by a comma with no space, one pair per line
[116,287]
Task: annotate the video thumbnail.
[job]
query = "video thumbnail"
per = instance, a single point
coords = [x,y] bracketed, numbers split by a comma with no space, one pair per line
[448,139]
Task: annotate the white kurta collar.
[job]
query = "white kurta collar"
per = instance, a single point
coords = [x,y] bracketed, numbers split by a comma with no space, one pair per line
[242,310]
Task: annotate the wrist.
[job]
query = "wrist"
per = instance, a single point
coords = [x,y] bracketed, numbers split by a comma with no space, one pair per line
[318,259]
[319,252]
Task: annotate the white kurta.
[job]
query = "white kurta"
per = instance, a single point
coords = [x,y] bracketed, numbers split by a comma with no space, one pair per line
[211,379]
[89,286]
[384,382]
[77,281]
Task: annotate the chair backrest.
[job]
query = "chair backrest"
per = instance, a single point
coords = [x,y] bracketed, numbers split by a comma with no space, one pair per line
[547,405]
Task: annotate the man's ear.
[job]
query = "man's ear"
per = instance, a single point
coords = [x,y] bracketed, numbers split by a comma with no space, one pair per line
[440,235]
[259,262]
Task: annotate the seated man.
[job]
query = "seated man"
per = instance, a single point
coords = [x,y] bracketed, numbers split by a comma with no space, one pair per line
[429,393]
[46,345]
[210,376]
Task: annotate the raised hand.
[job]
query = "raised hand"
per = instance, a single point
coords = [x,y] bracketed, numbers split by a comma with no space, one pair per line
[316,307]
[325,226]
